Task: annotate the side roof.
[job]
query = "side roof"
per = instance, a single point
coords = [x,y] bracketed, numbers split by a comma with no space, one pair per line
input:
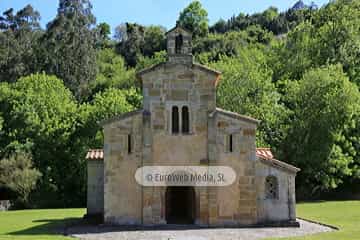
[236,115]
[265,156]
[120,117]
[178,27]
[279,164]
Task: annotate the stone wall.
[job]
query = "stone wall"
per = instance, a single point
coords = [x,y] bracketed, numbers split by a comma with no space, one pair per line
[180,82]
[166,86]
[281,208]
[95,187]
[234,204]
[123,196]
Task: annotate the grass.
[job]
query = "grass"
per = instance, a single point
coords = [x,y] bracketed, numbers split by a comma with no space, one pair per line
[42,224]
[37,224]
[343,214]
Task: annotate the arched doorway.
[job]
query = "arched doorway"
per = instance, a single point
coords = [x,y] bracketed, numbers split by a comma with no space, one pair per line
[180,205]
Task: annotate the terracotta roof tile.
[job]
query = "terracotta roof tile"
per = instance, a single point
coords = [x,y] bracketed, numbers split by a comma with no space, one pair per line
[95,154]
[99,154]
[264,153]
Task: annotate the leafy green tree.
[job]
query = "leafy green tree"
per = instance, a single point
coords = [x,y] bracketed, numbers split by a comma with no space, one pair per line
[214,46]
[195,19]
[331,37]
[258,35]
[270,20]
[40,113]
[19,34]
[111,72]
[17,173]
[154,40]
[105,105]
[69,45]
[246,88]
[336,30]
[293,56]
[130,49]
[140,41]
[102,35]
[145,62]
[321,104]
[120,34]
[219,27]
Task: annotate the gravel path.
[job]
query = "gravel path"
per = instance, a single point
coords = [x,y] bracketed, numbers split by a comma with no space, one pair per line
[112,233]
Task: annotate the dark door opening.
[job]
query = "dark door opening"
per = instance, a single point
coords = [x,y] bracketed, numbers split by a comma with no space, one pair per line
[180,205]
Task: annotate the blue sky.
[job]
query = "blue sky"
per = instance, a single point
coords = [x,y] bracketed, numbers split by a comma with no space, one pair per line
[157,12]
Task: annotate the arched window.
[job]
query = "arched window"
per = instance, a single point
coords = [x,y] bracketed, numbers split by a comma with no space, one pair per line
[185,119]
[178,43]
[271,187]
[175,119]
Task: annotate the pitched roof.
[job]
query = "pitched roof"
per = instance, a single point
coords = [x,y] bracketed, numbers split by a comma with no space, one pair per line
[279,164]
[265,155]
[178,27]
[120,117]
[195,65]
[237,115]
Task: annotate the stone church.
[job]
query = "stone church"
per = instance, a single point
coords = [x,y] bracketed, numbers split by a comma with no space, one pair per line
[180,125]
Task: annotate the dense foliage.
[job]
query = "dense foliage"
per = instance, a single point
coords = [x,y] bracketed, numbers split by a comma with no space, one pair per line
[297,71]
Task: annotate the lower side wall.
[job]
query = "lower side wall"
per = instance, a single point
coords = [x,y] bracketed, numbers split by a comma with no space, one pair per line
[282,208]
[95,187]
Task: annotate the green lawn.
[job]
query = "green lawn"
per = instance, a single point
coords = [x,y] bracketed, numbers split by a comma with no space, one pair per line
[343,214]
[42,224]
[37,224]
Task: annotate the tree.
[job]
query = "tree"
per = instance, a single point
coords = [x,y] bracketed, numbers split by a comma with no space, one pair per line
[246,88]
[330,38]
[41,115]
[19,34]
[322,103]
[154,40]
[130,49]
[140,41]
[111,72]
[102,35]
[214,46]
[70,46]
[106,104]
[195,19]
[219,27]
[120,34]
[17,173]
[145,62]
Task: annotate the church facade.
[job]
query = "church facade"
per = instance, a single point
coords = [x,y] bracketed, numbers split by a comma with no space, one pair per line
[180,125]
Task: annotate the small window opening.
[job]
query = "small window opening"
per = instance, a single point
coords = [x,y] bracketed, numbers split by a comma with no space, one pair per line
[175,119]
[178,43]
[271,187]
[185,119]
[129,144]
[230,143]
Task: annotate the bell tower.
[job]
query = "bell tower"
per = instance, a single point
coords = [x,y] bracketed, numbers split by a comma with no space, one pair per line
[179,46]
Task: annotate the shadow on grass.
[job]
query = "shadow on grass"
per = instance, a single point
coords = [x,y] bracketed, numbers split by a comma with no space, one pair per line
[91,228]
[49,227]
